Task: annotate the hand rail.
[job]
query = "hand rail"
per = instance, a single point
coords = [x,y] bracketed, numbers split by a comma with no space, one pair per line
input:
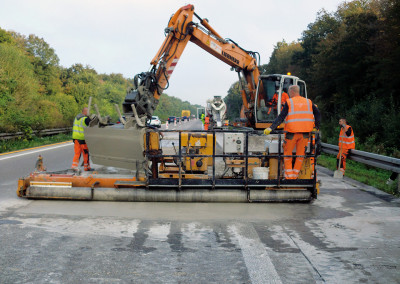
[44,132]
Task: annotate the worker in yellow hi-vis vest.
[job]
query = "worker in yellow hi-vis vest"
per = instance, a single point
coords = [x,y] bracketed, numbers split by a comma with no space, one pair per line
[80,147]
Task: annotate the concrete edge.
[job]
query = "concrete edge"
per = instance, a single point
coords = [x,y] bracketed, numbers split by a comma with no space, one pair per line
[364,187]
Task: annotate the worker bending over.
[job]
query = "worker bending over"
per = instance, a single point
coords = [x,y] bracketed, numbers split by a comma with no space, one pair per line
[299,115]
[80,147]
[346,142]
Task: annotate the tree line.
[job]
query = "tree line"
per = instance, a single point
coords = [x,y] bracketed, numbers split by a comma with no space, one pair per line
[349,59]
[37,93]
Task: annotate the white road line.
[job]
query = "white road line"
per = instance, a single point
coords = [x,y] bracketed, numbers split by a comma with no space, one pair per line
[31,152]
[259,265]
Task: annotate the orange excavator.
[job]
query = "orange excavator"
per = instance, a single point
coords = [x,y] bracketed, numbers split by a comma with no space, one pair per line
[252,163]
[180,30]
[257,90]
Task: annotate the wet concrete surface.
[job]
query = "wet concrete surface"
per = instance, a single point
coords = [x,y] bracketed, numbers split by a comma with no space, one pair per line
[347,235]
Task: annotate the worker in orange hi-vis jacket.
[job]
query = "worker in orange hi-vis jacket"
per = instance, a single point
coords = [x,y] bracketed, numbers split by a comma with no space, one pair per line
[274,101]
[300,115]
[346,142]
[284,98]
[206,122]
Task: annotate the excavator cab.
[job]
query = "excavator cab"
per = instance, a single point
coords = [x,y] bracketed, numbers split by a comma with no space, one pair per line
[270,96]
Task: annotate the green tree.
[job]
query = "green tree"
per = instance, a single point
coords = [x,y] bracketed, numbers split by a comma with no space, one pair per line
[45,62]
[81,83]
[233,101]
[18,89]
[281,60]
[6,37]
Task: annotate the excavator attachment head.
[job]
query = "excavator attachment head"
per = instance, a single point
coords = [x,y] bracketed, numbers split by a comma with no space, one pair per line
[143,100]
[142,95]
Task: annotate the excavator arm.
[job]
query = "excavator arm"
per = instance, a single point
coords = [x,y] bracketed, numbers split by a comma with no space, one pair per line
[148,86]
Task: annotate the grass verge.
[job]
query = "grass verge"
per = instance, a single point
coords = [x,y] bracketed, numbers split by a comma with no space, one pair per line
[363,173]
[19,144]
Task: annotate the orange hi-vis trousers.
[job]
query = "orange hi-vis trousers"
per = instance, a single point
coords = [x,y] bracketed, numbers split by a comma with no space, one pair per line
[345,153]
[299,140]
[81,149]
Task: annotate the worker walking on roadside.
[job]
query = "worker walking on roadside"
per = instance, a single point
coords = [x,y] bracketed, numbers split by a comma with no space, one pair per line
[299,115]
[346,142]
[80,147]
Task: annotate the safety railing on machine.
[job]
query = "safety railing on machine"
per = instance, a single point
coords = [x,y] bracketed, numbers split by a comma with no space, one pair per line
[244,180]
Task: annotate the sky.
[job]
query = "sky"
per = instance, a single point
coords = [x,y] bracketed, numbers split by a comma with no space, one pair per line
[123,36]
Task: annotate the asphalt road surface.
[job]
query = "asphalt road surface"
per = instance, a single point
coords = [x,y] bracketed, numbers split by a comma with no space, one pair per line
[350,234]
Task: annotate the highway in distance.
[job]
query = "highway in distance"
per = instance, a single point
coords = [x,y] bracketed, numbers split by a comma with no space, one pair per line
[350,234]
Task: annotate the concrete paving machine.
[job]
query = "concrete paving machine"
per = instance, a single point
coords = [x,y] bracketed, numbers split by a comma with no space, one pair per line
[187,166]
[141,164]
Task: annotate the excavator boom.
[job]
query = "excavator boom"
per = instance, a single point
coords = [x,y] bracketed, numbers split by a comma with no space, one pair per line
[180,30]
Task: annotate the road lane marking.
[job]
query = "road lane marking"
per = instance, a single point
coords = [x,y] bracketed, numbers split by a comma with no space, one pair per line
[259,264]
[63,144]
[27,149]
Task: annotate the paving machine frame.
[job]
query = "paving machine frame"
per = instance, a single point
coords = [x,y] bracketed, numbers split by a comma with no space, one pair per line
[157,182]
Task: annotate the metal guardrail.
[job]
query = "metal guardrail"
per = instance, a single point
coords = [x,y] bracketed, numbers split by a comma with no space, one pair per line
[375,160]
[44,132]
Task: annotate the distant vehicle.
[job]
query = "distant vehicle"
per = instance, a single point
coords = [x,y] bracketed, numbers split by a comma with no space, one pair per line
[178,119]
[171,119]
[119,120]
[185,115]
[155,121]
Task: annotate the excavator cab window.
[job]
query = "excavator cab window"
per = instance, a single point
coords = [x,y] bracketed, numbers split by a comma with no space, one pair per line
[302,86]
[287,82]
[266,99]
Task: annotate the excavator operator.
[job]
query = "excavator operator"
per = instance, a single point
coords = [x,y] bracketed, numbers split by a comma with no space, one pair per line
[284,98]
[299,115]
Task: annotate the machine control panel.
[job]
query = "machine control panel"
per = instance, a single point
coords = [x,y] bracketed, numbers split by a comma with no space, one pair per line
[233,143]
